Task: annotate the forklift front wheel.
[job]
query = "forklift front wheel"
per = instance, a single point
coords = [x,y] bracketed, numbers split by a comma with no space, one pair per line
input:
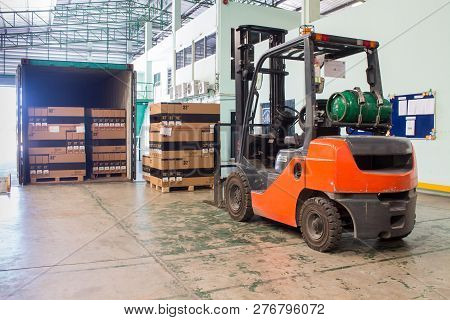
[320,223]
[238,197]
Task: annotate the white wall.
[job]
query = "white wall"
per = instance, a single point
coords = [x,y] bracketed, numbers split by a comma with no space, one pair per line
[414,37]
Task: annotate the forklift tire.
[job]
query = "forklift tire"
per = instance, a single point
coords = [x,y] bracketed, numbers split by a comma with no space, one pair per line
[238,198]
[320,224]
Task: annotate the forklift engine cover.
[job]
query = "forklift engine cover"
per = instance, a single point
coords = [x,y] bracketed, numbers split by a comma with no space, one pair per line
[373,178]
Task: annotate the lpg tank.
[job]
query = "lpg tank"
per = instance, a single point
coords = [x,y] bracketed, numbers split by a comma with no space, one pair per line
[344,107]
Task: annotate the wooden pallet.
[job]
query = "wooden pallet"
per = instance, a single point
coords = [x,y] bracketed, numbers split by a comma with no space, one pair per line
[108,175]
[57,180]
[184,188]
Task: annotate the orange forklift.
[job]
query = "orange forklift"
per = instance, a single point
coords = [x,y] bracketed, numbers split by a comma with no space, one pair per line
[320,180]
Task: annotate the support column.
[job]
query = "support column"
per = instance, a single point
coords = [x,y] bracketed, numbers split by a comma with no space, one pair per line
[176,24]
[148,46]
[311,11]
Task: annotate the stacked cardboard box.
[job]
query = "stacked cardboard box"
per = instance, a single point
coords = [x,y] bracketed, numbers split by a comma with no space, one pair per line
[107,143]
[181,145]
[56,144]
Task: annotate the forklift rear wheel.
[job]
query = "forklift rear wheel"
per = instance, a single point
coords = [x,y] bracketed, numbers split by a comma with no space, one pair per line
[320,224]
[238,197]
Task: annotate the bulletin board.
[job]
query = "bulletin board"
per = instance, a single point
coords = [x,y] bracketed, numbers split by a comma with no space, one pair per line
[413,115]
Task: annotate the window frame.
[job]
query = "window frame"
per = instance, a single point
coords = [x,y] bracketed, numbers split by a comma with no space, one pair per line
[211,36]
[201,41]
[177,65]
[187,55]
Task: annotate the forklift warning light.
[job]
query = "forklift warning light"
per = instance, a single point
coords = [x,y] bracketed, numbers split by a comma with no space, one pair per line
[369,44]
[322,37]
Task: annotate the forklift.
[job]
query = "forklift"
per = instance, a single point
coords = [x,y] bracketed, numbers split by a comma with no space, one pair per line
[329,177]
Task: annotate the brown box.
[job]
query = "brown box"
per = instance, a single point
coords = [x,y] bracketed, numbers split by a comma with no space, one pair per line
[50,150]
[57,132]
[185,108]
[67,158]
[106,113]
[60,174]
[109,134]
[176,134]
[179,163]
[65,111]
[183,126]
[96,149]
[186,182]
[177,154]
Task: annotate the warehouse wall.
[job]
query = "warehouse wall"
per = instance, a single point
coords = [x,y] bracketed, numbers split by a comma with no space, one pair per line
[414,44]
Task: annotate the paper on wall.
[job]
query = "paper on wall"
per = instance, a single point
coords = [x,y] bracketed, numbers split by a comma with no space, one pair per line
[402,108]
[429,106]
[412,107]
[410,126]
[421,106]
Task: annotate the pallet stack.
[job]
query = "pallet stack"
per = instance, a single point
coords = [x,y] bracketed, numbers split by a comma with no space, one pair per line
[56,137]
[107,143]
[181,145]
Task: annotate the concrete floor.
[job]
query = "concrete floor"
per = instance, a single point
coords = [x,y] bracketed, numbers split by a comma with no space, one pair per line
[126,241]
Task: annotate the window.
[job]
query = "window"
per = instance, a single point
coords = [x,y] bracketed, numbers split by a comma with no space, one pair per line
[200,49]
[169,79]
[210,45]
[157,79]
[180,60]
[187,56]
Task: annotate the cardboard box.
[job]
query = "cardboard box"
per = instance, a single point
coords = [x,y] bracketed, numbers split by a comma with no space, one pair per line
[117,156]
[67,158]
[107,167]
[184,108]
[186,182]
[179,163]
[183,126]
[97,149]
[56,132]
[109,134]
[47,150]
[46,173]
[106,113]
[177,134]
[64,111]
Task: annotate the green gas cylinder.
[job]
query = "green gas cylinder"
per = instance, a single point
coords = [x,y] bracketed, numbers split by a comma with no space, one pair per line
[344,107]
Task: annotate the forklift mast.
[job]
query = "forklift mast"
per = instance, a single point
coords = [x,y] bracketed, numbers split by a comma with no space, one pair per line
[245,37]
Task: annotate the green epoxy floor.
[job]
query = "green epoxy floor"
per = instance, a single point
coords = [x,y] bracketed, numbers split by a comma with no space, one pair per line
[126,241]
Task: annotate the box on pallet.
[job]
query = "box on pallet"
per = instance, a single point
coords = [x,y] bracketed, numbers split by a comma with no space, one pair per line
[108,144]
[56,137]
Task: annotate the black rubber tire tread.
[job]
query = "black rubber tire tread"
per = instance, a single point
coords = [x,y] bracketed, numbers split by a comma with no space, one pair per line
[246,211]
[328,210]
